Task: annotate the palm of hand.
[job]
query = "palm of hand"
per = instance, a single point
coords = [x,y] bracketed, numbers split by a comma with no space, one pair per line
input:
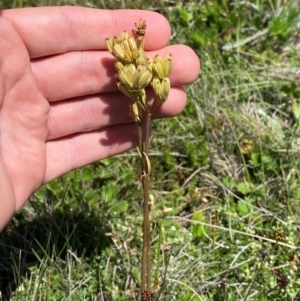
[23,114]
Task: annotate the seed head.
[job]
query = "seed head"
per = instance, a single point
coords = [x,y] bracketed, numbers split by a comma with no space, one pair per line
[140,28]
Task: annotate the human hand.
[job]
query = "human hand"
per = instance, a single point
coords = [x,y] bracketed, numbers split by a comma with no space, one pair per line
[60,108]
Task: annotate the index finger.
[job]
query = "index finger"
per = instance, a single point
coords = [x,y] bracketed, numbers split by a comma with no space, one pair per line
[52,30]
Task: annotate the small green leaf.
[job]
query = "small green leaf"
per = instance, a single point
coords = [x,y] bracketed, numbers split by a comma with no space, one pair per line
[88,174]
[297,194]
[244,208]
[119,207]
[255,159]
[296,109]
[245,187]
[199,230]
[54,187]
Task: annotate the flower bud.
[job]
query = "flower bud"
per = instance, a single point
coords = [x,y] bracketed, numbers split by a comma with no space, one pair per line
[158,67]
[141,98]
[118,51]
[126,75]
[135,112]
[119,66]
[142,77]
[124,90]
[135,55]
[109,44]
[132,44]
[124,35]
[168,64]
[162,67]
[161,88]
[165,89]
[125,45]
[128,57]
[140,61]
[149,64]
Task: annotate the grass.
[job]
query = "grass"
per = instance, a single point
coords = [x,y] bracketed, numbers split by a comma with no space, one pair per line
[225,191]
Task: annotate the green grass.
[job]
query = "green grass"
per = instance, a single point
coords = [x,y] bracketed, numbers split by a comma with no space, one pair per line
[225,191]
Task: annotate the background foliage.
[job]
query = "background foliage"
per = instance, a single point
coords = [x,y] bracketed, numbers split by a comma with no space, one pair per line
[226,183]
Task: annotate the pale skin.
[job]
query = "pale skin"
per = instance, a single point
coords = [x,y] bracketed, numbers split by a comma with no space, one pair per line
[60,108]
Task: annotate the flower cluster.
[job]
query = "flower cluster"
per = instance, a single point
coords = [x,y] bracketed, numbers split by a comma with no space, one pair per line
[136,71]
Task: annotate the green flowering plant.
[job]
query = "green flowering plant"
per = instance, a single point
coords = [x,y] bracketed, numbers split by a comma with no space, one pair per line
[136,71]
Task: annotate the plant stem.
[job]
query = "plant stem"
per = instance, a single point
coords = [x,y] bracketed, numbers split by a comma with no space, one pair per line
[146,255]
[145,213]
[145,238]
[146,195]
